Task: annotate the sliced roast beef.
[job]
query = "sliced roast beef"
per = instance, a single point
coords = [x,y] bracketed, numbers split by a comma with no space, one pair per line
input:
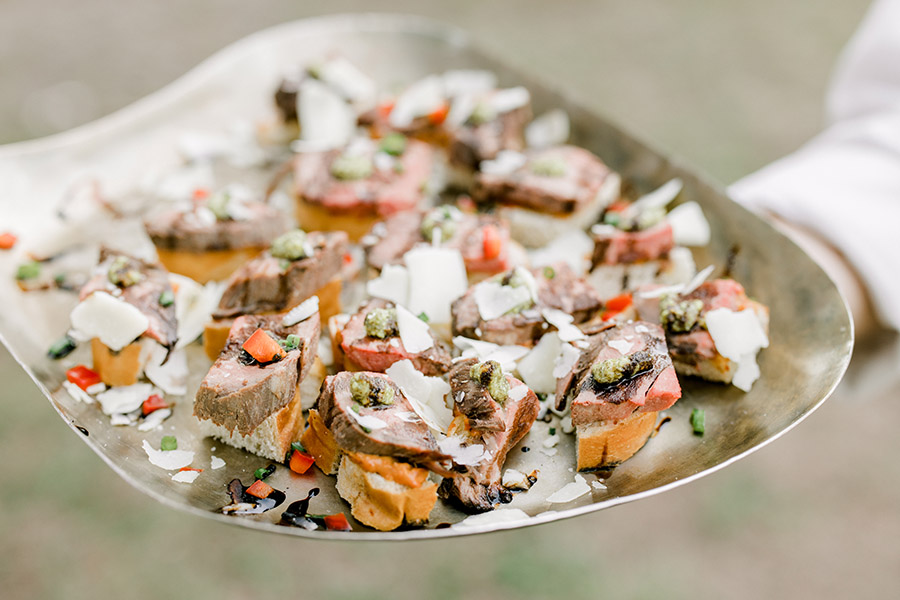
[472,143]
[268,283]
[496,426]
[653,387]
[142,285]
[393,430]
[557,287]
[383,185]
[195,231]
[377,354]
[239,393]
[557,180]
[614,246]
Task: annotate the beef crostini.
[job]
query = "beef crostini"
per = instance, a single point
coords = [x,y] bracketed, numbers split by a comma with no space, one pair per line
[296,267]
[250,398]
[511,308]
[493,410]
[215,235]
[483,240]
[544,193]
[617,387]
[385,449]
[125,301]
[351,188]
[382,333]
[714,332]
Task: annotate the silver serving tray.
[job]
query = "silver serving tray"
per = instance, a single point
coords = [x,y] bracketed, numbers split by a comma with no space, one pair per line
[811,330]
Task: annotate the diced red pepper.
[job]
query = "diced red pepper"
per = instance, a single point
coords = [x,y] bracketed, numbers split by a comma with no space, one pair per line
[153,403]
[200,193]
[82,376]
[438,115]
[336,522]
[348,258]
[301,462]
[492,243]
[619,303]
[260,489]
[190,469]
[385,108]
[263,347]
[617,206]
[7,240]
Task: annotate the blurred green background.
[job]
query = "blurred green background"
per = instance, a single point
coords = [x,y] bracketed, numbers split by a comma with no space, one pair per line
[727,86]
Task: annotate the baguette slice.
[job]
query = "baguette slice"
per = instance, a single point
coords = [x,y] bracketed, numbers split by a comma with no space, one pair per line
[605,444]
[319,442]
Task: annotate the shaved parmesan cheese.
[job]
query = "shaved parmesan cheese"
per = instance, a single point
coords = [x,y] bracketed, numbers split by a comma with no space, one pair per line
[425,394]
[570,491]
[518,392]
[537,367]
[414,332]
[488,520]
[155,419]
[325,118]
[116,322]
[698,280]
[567,358]
[369,422]
[747,373]
[515,480]
[680,267]
[421,98]
[301,312]
[549,129]
[736,334]
[689,225]
[77,393]
[506,162]
[660,197]
[573,248]
[171,376]
[468,81]
[563,323]
[124,399]
[505,355]
[185,476]
[495,300]
[623,347]
[170,460]
[392,284]
[194,305]
[598,485]
[216,463]
[549,451]
[468,455]
[437,277]
[551,441]
[509,99]
[349,82]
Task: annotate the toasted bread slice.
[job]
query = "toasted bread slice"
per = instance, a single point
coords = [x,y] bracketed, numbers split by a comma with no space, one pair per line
[605,444]
[117,368]
[313,217]
[319,442]
[382,502]
[211,265]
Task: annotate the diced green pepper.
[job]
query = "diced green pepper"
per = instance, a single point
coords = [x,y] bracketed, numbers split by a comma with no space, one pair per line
[168,443]
[698,421]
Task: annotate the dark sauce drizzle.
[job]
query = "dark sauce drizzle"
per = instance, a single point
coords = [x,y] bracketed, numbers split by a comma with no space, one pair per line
[243,503]
[83,430]
[296,514]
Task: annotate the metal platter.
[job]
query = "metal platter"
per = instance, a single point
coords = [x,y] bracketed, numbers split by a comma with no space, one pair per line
[811,330]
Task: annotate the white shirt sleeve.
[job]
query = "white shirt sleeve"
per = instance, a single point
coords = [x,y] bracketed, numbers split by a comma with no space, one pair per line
[844,184]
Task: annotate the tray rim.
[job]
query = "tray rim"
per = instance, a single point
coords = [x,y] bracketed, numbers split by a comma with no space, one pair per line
[452,35]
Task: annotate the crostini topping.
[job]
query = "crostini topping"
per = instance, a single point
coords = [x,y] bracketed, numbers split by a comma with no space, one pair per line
[679,316]
[29,270]
[393,144]
[352,167]
[122,274]
[381,323]
[549,166]
[441,220]
[614,370]
[371,392]
[263,347]
[490,375]
[290,246]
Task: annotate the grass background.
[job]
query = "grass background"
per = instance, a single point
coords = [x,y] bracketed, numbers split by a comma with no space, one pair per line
[726,86]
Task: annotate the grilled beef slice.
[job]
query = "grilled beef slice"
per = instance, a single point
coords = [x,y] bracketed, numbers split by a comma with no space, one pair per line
[177,230]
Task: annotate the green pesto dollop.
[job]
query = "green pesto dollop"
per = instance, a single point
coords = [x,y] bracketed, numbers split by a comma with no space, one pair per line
[443,219]
[121,273]
[290,246]
[381,323]
[352,167]
[548,166]
[218,204]
[613,370]
[29,270]
[481,114]
[370,392]
[515,278]
[393,144]
[490,375]
[680,316]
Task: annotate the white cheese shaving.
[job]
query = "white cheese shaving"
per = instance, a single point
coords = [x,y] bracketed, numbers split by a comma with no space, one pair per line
[118,419]
[515,480]
[517,392]
[124,399]
[537,367]
[491,519]
[96,388]
[301,312]
[623,347]
[505,355]
[549,129]
[566,424]
[680,267]
[419,99]
[598,485]
[185,476]
[77,393]
[567,358]
[689,225]
[495,300]
[392,284]
[573,248]
[349,82]
[660,197]
[170,377]
[698,280]
[551,441]
[457,82]
[369,422]
[216,463]
[414,332]
[194,305]
[170,460]
[437,277]
[563,322]
[462,454]
[426,394]
[503,101]
[747,372]
[116,322]
[325,118]
[155,419]
[735,334]
[570,491]
[550,451]
[505,163]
